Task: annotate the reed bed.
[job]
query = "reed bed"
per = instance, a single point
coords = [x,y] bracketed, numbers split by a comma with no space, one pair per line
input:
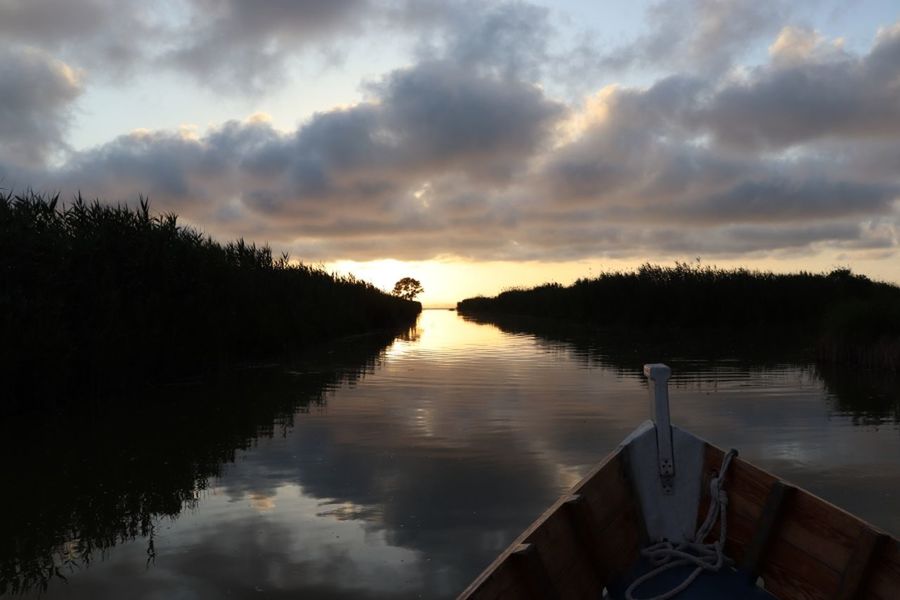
[96,297]
[848,317]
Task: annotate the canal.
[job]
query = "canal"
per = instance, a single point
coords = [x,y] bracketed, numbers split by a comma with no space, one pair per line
[398,468]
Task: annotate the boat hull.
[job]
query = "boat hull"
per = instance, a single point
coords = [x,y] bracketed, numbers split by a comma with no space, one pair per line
[794,544]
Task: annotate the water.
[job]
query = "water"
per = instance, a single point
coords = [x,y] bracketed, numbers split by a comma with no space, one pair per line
[382,469]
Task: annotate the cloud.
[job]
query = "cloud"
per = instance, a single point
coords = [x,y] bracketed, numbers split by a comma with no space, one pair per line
[782,200]
[431,144]
[234,46]
[35,106]
[663,169]
[796,45]
[809,93]
[245,46]
[442,160]
[694,148]
[105,36]
[462,153]
[240,47]
[743,239]
[701,36]
[51,21]
[482,125]
[511,39]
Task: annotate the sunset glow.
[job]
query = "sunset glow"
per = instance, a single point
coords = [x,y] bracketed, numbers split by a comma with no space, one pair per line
[475,146]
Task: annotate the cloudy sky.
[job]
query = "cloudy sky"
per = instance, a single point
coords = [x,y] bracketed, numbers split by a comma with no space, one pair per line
[475,145]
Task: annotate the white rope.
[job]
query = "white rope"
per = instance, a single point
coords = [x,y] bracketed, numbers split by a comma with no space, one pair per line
[707,557]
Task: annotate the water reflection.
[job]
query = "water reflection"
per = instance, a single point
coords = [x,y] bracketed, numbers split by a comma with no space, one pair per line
[869,396]
[833,431]
[407,483]
[77,485]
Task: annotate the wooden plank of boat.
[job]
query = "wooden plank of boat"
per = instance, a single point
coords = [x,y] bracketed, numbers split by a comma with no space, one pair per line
[782,539]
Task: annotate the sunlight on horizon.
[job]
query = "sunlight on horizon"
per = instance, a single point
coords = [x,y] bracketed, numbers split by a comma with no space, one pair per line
[446,282]
[433,336]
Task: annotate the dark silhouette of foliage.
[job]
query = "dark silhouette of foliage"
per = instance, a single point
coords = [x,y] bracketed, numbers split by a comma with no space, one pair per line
[89,480]
[852,317]
[869,396]
[407,288]
[93,297]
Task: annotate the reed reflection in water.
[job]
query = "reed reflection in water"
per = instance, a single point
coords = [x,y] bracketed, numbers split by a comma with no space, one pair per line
[406,482]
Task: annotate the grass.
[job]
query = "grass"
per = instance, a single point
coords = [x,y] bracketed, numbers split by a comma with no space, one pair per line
[96,297]
[849,317]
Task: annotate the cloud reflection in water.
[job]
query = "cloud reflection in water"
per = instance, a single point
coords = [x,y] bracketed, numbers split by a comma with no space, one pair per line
[409,481]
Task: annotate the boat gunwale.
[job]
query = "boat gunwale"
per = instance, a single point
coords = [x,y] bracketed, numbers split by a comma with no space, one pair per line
[853,580]
[616,456]
[787,525]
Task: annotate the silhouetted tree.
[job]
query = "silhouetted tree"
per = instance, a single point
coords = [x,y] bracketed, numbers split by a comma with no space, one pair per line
[408,288]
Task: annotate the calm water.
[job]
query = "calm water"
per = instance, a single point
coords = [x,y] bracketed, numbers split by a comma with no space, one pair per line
[399,469]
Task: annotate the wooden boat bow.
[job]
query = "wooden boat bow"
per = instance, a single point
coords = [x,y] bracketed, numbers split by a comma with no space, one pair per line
[783,541]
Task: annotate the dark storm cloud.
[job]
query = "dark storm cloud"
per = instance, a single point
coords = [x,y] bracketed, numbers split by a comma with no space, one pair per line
[35,105]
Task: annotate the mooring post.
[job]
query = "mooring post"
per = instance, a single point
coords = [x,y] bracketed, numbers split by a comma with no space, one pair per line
[658,375]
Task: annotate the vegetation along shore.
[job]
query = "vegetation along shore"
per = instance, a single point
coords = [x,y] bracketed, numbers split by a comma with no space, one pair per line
[96,297]
[120,473]
[845,318]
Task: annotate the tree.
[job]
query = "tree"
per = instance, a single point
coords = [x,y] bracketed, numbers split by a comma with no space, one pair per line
[408,288]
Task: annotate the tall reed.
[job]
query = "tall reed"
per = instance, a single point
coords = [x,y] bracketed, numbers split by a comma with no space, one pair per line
[95,297]
[853,318]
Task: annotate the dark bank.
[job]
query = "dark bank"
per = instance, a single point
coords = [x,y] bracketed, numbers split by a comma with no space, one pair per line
[839,317]
[97,298]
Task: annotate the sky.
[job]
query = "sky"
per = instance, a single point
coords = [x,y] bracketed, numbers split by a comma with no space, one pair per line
[474,145]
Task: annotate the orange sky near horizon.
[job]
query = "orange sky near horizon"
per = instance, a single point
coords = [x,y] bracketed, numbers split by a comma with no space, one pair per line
[475,146]
[446,282]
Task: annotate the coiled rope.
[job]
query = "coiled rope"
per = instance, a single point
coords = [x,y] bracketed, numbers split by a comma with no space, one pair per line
[665,555]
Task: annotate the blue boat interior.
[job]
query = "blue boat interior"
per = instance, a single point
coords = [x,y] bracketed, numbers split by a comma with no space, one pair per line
[727,583]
